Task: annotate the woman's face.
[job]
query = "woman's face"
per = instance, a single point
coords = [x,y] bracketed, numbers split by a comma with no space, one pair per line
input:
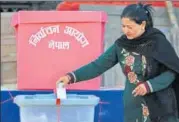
[131,29]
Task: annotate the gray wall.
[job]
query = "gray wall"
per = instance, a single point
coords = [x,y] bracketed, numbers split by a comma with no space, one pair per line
[114,77]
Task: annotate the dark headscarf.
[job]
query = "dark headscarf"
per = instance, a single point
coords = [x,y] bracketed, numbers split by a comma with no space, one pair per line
[154,45]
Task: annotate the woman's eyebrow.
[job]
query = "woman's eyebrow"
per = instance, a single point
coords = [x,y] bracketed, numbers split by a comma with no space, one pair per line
[128,25]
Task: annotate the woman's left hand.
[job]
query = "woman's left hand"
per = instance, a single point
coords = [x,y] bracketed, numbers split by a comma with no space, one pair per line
[140,90]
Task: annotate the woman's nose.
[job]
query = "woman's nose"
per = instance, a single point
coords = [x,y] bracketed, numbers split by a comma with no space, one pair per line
[125,30]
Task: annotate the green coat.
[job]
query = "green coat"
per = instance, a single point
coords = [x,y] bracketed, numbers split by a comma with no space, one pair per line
[133,66]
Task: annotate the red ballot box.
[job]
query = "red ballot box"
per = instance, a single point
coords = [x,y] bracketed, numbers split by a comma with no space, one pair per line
[52,43]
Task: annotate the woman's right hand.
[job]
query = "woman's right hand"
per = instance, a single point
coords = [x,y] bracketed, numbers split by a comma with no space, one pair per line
[64,79]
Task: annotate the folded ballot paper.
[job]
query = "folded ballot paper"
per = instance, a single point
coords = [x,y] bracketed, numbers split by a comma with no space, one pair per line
[61,93]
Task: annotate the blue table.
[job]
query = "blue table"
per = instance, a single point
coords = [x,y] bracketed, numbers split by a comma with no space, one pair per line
[109,110]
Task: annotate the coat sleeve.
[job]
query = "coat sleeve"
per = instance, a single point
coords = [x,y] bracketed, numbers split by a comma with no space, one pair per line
[160,82]
[95,68]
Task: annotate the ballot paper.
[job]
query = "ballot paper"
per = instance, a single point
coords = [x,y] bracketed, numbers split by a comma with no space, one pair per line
[61,91]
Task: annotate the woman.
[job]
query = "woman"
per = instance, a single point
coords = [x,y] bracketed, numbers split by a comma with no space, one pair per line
[149,63]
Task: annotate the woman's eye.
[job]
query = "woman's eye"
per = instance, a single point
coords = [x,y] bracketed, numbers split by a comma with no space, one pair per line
[123,26]
[129,27]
